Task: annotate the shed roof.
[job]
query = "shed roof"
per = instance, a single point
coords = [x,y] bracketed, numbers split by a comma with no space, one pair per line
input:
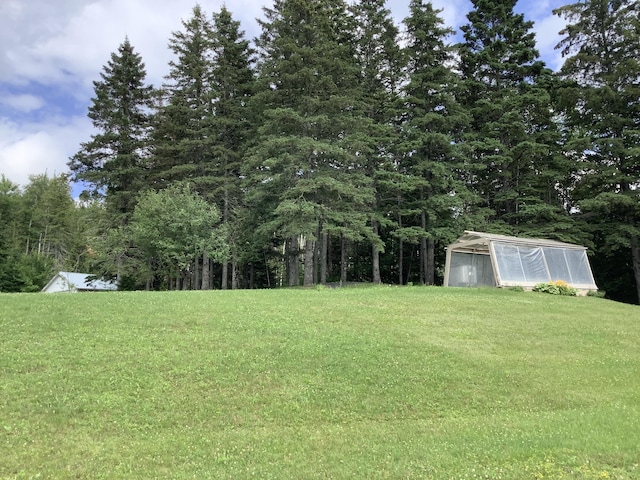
[74,281]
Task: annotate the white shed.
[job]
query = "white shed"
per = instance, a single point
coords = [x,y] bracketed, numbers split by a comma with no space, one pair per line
[77,282]
[484,259]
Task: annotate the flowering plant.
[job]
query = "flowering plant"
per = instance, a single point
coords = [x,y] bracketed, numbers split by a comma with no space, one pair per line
[557,287]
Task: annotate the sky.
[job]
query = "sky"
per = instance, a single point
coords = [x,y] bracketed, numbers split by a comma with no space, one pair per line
[51,52]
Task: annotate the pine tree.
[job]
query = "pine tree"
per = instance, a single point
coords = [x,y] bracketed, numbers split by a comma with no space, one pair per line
[513,139]
[183,133]
[432,124]
[202,129]
[233,82]
[380,62]
[306,157]
[114,163]
[601,46]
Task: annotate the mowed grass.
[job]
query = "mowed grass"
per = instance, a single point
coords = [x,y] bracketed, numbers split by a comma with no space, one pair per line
[375,383]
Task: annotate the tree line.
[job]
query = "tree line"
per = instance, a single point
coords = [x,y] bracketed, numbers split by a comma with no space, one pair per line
[341,147]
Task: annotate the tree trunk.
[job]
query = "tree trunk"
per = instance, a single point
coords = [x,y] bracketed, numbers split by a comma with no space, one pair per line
[308,262]
[235,275]
[430,265]
[400,262]
[424,251]
[224,283]
[375,255]
[635,254]
[330,254]
[293,266]
[206,272]
[323,257]
[197,281]
[400,251]
[422,258]
[343,260]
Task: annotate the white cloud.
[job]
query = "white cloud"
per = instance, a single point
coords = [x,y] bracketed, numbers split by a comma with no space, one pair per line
[547,37]
[36,148]
[60,48]
[23,102]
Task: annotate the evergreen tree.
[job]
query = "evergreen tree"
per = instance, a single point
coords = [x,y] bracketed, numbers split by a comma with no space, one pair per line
[10,228]
[513,139]
[233,85]
[306,158]
[183,134]
[202,129]
[380,61]
[433,122]
[601,46]
[114,162]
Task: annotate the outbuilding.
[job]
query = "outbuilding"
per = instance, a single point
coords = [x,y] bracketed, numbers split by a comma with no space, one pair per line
[484,259]
[77,282]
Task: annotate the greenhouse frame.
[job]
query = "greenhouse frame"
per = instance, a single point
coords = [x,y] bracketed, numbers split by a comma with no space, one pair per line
[488,260]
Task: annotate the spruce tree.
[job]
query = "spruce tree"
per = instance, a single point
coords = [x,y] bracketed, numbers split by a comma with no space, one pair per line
[380,61]
[114,163]
[513,139]
[306,157]
[432,125]
[233,84]
[202,128]
[601,46]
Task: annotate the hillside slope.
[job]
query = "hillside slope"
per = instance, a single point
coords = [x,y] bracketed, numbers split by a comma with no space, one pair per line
[378,382]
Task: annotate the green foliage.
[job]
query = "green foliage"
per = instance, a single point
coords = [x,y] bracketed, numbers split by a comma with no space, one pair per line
[596,293]
[432,123]
[113,161]
[335,383]
[306,160]
[556,288]
[515,166]
[601,45]
[175,226]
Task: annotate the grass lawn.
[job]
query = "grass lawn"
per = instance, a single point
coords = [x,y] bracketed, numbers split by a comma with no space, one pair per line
[372,383]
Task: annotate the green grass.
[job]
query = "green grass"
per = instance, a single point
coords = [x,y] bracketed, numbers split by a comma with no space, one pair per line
[375,383]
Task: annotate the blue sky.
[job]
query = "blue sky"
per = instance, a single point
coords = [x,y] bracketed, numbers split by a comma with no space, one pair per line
[52,51]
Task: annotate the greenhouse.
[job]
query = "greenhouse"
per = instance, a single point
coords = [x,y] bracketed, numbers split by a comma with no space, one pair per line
[484,259]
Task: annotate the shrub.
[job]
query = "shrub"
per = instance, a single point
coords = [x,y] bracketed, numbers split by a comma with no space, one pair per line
[558,287]
[596,293]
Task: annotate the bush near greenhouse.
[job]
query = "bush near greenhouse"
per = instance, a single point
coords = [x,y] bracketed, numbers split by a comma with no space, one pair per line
[559,287]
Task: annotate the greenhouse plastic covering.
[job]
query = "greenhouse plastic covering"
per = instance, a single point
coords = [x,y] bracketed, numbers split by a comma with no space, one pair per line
[483,259]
